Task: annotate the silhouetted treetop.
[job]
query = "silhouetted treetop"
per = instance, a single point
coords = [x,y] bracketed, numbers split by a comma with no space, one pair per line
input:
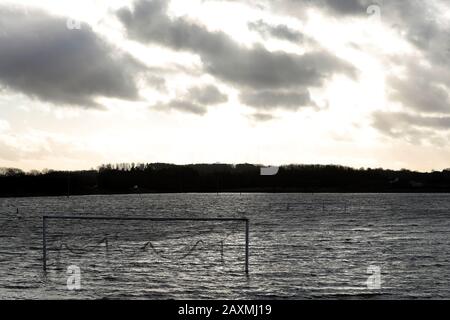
[164,177]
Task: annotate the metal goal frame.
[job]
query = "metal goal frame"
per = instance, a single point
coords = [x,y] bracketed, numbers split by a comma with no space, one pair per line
[45,219]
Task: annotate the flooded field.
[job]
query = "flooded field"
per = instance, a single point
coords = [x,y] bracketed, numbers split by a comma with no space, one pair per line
[301,246]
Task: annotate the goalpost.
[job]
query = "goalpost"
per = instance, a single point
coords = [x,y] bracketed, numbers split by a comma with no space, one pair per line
[45,219]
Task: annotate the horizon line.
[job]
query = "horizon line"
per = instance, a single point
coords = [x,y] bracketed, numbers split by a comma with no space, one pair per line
[136,164]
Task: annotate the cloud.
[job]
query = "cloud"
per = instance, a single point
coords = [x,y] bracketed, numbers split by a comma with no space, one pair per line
[181,105]
[4,125]
[337,8]
[420,92]
[344,7]
[43,59]
[261,117]
[255,67]
[195,101]
[413,128]
[389,121]
[208,95]
[281,32]
[8,152]
[277,99]
[424,85]
[298,7]
[35,145]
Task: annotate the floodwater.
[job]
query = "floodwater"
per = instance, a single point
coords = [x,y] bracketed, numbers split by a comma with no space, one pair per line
[301,246]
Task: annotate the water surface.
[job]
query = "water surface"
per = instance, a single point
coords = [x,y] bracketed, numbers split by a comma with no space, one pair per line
[302,246]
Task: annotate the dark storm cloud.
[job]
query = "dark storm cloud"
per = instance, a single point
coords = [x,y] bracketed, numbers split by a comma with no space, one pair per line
[277,99]
[281,32]
[196,101]
[43,59]
[222,57]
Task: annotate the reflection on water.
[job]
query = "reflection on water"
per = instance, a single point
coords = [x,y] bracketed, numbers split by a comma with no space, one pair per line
[301,246]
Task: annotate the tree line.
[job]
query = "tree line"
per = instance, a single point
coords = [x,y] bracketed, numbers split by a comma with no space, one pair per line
[165,178]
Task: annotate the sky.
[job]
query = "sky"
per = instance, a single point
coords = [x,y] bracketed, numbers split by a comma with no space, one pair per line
[350,82]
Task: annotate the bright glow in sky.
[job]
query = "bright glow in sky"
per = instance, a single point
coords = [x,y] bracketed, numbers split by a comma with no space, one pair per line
[201,81]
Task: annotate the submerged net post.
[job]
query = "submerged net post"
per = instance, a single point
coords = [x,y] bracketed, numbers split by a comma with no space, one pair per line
[44,243]
[246,245]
